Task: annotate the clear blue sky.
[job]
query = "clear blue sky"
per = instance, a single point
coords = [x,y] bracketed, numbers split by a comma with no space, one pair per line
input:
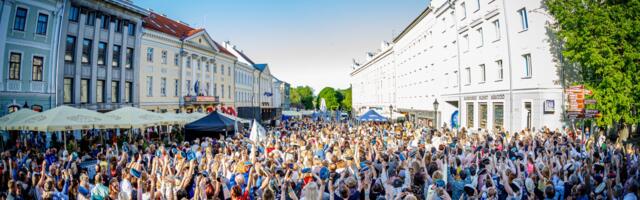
[305,42]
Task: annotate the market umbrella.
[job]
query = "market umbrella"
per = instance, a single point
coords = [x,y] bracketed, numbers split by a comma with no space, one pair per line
[10,119]
[176,118]
[64,118]
[131,117]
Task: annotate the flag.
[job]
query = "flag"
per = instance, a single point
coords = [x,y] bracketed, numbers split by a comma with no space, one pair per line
[258,132]
[323,105]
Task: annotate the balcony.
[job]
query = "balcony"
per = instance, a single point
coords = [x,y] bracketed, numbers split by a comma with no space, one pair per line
[201,100]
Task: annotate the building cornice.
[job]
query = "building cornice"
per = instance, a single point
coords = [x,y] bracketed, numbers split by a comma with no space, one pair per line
[378,57]
[413,23]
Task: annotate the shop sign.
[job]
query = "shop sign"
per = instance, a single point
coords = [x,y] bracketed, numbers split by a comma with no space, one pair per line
[470,98]
[497,96]
[549,106]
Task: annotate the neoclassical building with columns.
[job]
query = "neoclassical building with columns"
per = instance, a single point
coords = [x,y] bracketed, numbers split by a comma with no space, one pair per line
[99,53]
[183,69]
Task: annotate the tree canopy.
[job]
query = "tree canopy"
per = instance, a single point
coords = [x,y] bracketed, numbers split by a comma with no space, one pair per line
[602,37]
[331,97]
[302,97]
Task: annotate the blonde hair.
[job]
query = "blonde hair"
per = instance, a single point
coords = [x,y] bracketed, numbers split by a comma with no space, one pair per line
[310,192]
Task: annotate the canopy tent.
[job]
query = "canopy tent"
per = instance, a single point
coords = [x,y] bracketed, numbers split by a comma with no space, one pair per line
[396,116]
[64,118]
[291,113]
[209,126]
[8,120]
[238,119]
[131,117]
[372,115]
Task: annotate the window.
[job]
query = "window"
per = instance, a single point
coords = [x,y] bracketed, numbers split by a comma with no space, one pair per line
[527,65]
[498,115]
[468,70]
[117,23]
[129,57]
[480,37]
[20,20]
[215,68]
[222,69]
[500,69]
[496,29]
[469,115]
[15,63]
[215,89]
[208,87]
[36,71]
[466,42]
[206,66]
[150,54]
[100,91]
[115,92]
[164,57]
[91,18]
[104,22]
[115,60]
[127,92]
[84,91]
[86,51]
[198,63]
[70,49]
[131,29]
[163,87]
[176,59]
[189,86]
[464,10]
[524,21]
[229,72]
[149,86]
[74,12]
[483,73]
[177,84]
[102,53]
[477,5]
[41,27]
[222,90]
[229,90]
[68,91]
[189,62]
[482,111]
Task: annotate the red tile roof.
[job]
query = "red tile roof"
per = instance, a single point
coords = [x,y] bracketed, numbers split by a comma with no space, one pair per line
[163,24]
[172,27]
[224,50]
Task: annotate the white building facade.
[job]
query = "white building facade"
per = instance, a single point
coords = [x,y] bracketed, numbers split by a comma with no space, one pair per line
[489,64]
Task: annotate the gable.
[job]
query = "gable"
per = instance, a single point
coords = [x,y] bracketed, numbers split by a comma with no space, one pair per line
[202,38]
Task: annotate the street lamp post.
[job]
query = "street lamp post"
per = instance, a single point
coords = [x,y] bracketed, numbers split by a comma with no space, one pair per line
[435,113]
[391,113]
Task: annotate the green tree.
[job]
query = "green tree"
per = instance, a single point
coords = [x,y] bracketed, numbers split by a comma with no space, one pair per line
[346,102]
[602,38]
[331,97]
[302,97]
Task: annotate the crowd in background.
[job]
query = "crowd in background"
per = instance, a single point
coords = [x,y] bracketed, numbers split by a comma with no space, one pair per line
[306,159]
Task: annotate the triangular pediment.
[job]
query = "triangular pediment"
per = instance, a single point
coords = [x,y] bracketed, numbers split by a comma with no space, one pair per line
[202,38]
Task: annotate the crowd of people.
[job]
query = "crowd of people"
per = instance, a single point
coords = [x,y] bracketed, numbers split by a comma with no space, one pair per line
[304,159]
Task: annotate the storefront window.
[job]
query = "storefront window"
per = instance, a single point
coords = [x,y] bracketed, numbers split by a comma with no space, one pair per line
[498,115]
[470,115]
[483,115]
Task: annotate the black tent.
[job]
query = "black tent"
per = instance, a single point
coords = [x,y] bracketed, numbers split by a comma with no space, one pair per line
[212,125]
